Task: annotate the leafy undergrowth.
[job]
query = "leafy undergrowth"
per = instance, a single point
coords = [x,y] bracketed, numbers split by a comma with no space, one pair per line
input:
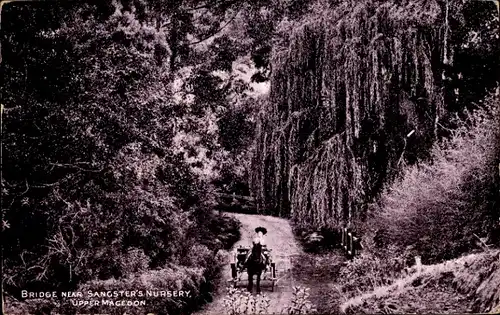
[239,302]
[198,271]
[464,285]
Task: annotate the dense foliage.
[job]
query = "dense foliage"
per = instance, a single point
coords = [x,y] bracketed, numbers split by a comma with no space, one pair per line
[124,120]
[113,132]
[360,90]
[454,196]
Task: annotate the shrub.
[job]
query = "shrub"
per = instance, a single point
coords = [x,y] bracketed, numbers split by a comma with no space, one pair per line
[170,278]
[199,281]
[366,272]
[437,207]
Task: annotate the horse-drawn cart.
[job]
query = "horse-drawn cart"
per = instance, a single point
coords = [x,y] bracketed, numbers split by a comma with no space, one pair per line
[239,267]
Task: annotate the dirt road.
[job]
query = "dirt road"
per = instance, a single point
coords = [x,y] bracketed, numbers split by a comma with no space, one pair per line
[285,249]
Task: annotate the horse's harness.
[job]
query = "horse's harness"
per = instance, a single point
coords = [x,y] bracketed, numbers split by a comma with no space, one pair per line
[247,253]
[263,252]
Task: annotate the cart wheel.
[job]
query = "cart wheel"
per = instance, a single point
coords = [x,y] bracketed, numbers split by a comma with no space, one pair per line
[234,272]
[273,271]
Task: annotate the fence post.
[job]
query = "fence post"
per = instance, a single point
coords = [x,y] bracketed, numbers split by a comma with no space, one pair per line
[346,239]
[349,244]
[342,237]
[354,240]
[418,264]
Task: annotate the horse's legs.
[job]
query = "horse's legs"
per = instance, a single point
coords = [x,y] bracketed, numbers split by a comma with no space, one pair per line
[250,280]
[258,281]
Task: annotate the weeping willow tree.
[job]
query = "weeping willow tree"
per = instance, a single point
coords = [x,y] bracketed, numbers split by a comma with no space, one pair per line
[356,92]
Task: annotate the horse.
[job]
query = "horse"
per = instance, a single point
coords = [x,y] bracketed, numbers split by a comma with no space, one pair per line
[255,265]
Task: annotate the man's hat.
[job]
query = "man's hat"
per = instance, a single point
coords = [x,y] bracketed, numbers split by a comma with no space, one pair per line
[261,229]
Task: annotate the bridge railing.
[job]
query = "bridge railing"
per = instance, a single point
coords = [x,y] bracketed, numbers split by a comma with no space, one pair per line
[236,203]
[350,243]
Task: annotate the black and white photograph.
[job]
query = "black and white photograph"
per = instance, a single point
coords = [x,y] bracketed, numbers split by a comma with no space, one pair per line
[239,157]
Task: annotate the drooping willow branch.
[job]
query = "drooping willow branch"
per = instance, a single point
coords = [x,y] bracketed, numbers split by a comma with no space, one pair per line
[343,91]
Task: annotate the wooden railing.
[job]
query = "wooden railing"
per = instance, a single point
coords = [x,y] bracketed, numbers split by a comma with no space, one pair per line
[236,203]
[350,243]
[234,196]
